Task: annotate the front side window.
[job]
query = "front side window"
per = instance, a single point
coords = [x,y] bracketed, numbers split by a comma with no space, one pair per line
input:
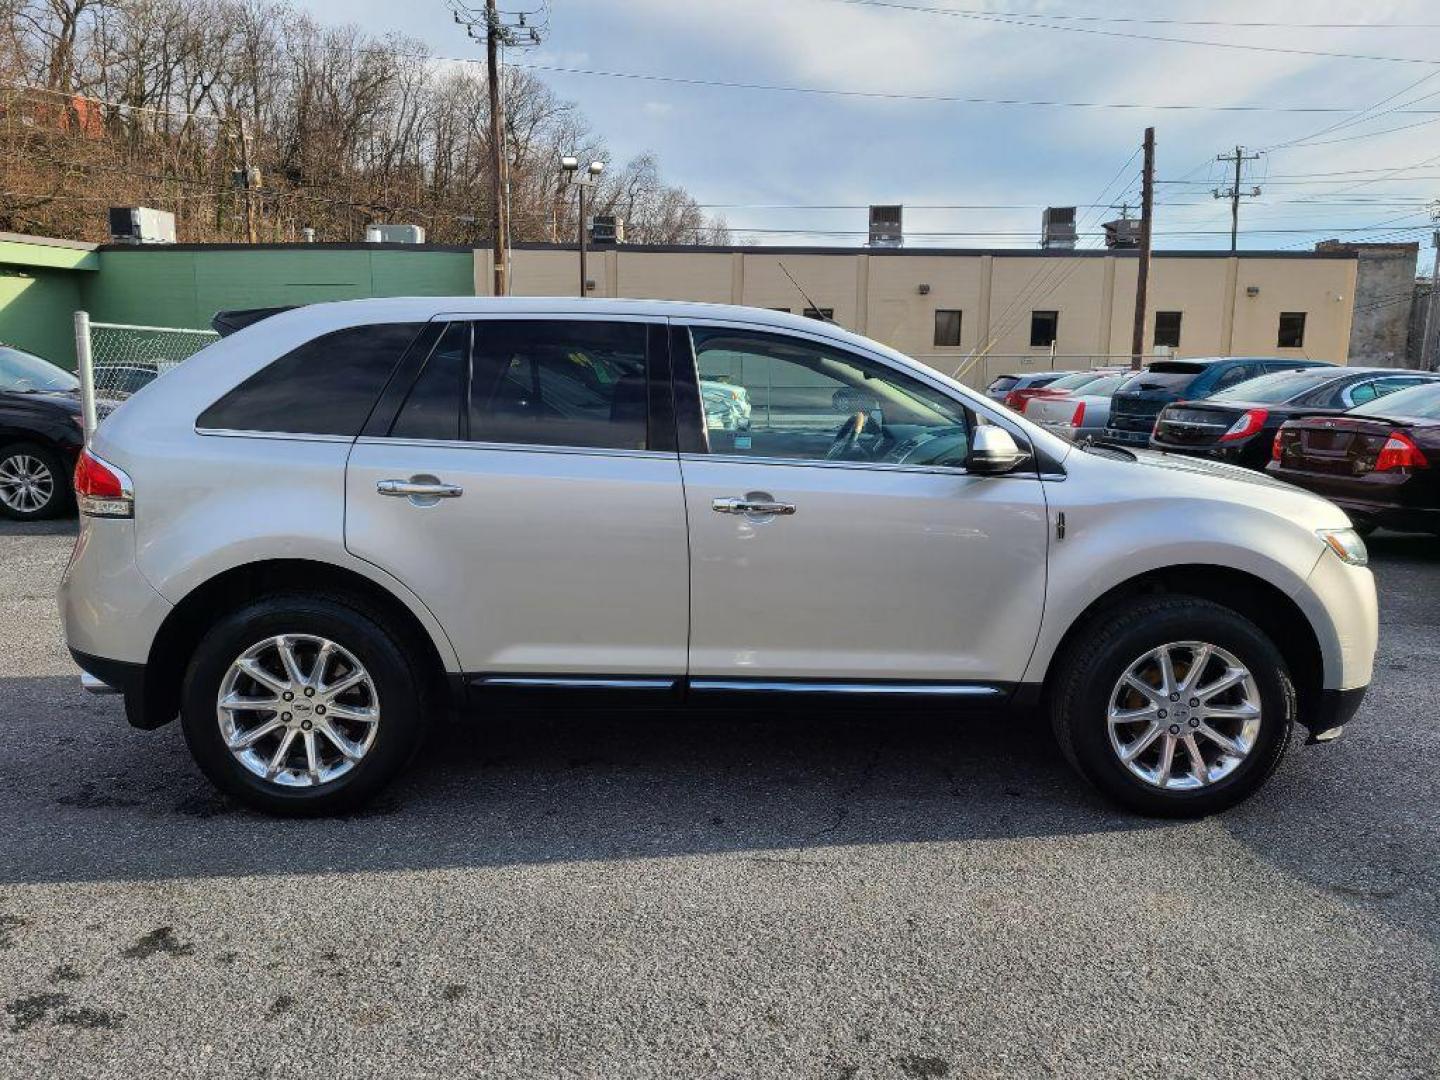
[802,400]
[22,372]
[947,328]
[325,387]
[1378,388]
[1292,330]
[553,382]
[1167,329]
[1044,328]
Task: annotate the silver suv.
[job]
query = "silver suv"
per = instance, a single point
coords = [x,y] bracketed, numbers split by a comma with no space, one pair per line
[324,530]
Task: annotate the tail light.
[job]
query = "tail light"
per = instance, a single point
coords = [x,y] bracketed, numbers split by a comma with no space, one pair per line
[1276,450]
[1250,421]
[1016,400]
[1400,452]
[102,489]
[1078,419]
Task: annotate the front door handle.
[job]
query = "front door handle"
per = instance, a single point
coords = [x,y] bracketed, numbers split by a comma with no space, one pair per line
[418,488]
[752,504]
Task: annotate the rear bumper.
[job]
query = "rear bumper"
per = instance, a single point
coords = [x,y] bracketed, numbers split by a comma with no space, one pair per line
[1336,709]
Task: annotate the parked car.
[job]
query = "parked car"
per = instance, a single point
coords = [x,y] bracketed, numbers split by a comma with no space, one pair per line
[1013,390]
[1380,462]
[326,528]
[40,434]
[1239,424]
[1137,403]
[1081,415]
[118,381]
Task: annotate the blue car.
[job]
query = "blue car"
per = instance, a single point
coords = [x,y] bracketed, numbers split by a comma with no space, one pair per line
[1137,404]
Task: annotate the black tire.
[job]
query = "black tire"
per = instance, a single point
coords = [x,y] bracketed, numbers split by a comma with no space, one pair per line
[1088,675]
[62,498]
[398,681]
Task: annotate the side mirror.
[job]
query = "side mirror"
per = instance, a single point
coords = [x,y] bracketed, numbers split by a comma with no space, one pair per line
[993,452]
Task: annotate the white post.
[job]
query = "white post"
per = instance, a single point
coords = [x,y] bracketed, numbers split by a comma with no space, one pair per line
[86,370]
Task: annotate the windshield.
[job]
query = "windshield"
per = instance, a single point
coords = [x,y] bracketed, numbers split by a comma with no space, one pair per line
[1417,403]
[1072,382]
[1274,388]
[23,371]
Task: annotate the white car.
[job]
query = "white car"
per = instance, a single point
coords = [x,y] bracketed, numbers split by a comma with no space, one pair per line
[320,531]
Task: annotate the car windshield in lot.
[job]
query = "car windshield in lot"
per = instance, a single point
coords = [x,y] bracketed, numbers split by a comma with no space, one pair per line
[1417,403]
[1164,375]
[1276,387]
[24,371]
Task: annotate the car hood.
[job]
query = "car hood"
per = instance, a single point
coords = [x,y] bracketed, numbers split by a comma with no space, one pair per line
[1166,477]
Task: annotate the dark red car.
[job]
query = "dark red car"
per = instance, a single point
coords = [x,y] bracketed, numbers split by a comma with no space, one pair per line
[1380,462]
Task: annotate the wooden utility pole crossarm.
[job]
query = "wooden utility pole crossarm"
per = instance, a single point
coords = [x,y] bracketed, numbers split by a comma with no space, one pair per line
[1142,278]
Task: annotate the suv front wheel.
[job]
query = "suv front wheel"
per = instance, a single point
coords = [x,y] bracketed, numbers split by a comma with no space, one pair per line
[1174,706]
[301,704]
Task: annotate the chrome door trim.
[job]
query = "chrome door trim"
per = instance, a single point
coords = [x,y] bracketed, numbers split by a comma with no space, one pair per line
[868,466]
[523,448]
[574,682]
[291,436]
[878,688]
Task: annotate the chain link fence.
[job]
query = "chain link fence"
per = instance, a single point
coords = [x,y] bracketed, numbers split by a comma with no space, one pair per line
[116,359]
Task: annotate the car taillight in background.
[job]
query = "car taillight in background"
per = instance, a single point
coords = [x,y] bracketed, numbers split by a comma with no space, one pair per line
[1400,452]
[1077,419]
[1276,449]
[102,489]
[1249,422]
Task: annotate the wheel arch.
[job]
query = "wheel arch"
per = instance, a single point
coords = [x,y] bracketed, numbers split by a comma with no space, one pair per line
[187,622]
[1276,613]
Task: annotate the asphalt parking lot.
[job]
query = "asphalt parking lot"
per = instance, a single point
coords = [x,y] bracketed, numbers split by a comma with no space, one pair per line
[746,895]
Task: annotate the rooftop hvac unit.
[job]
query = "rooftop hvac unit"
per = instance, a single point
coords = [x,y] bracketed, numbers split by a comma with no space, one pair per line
[885,226]
[141,225]
[606,230]
[1057,227]
[1122,233]
[394,234]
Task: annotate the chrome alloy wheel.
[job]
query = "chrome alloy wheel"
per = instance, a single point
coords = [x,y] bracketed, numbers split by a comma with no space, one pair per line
[1184,716]
[298,710]
[26,483]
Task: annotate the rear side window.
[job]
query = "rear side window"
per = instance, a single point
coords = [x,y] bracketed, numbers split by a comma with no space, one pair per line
[325,387]
[432,408]
[560,383]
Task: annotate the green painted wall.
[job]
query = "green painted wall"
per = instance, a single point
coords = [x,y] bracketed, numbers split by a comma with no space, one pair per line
[37,309]
[158,287]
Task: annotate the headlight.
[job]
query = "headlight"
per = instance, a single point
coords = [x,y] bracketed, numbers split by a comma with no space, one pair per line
[1346,543]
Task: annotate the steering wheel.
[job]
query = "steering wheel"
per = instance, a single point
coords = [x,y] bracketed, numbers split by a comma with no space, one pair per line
[857,426]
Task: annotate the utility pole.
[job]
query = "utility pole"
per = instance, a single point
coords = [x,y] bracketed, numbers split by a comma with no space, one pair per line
[245,183]
[1233,192]
[1429,359]
[497,147]
[1142,278]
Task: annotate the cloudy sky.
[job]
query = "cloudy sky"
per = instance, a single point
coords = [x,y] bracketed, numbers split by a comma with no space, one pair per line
[975,174]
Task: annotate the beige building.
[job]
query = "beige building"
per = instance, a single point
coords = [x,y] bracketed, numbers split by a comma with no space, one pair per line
[1019,308]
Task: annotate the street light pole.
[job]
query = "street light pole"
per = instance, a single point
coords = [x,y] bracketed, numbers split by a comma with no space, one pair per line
[570,167]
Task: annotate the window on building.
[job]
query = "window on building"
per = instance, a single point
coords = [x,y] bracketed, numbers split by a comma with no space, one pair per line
[825,313]
[798,399]
[1292,330]
[1044,328]
[432,408]
[325,387]
[552,382]
[947,328]
[1167,329]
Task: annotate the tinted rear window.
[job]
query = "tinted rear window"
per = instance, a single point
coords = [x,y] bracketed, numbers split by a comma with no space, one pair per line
[1274,388]
[1071,382]
[1417,403]
[1169,376]
[325,387]
[1103,387]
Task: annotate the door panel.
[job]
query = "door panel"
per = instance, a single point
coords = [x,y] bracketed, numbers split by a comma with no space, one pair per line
[875,575]
[548,561]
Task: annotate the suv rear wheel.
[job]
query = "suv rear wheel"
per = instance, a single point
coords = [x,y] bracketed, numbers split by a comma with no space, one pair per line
[1174,706]
[302,704]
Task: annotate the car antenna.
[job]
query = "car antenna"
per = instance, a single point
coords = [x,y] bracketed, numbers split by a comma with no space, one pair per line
[813,306]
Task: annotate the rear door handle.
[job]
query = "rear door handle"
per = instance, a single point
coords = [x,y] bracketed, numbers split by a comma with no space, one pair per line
[750,505]
[423,489]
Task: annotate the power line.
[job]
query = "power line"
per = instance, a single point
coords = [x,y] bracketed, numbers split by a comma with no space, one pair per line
[952,99]
[1152,21]
[1034,24]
